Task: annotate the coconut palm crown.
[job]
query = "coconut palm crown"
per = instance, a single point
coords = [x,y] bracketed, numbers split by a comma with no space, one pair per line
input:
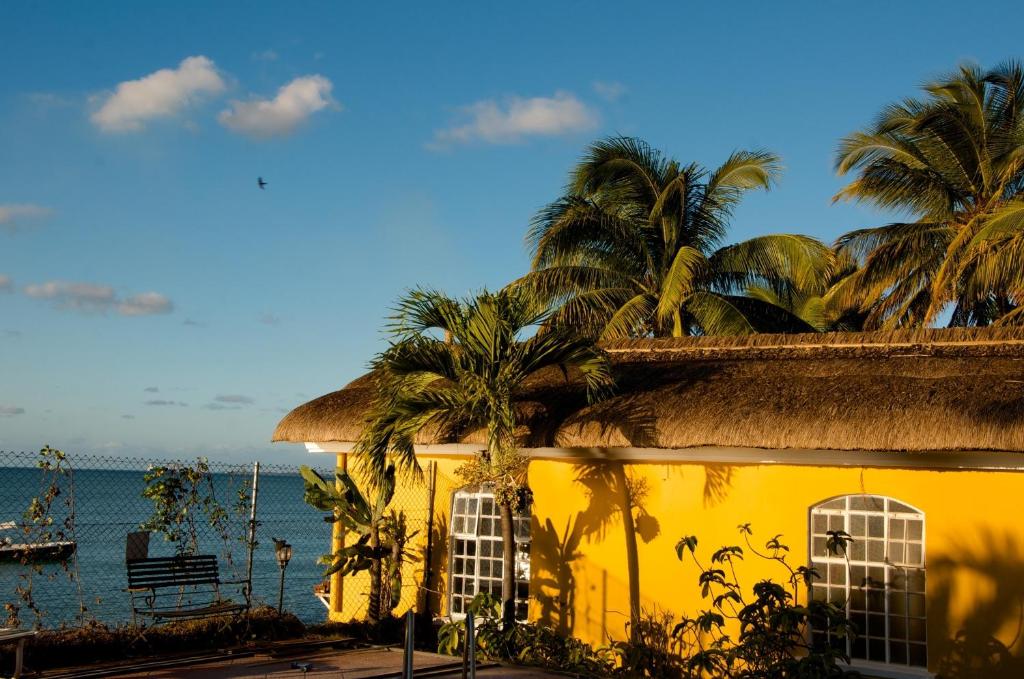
[457,366]
[634,247]
[954,161]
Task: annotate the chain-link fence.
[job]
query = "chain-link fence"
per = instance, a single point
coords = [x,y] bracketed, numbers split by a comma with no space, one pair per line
[64,523]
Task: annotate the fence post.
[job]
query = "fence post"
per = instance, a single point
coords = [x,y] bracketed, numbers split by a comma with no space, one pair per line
[470,646]
[252,530]
[429,553]
[410,644]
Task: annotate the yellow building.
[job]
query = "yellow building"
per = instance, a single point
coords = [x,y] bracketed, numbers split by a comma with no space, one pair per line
[911,441]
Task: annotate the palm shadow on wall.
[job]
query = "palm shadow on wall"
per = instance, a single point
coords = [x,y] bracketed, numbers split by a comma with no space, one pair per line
[436,579]
[988,641]
[554,554]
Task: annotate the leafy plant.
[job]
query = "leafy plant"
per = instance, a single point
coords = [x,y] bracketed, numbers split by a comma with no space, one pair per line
[381,536]
[49,517]
[774,626]
[523,643]
[182,495]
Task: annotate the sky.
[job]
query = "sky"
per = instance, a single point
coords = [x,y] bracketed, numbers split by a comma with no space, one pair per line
[155,302]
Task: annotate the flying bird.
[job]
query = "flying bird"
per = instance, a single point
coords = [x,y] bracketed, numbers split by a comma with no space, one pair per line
[260,183]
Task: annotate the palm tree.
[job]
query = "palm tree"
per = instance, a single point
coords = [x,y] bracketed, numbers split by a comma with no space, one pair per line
[953,161]
[459,365]
[634,247]
[826,306]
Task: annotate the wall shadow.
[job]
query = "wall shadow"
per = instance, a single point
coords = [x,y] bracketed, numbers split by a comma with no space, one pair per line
[615,499]
[434,594]
[554,554]
[976,608]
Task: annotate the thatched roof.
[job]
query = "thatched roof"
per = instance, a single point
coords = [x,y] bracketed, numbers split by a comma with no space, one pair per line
[959,389]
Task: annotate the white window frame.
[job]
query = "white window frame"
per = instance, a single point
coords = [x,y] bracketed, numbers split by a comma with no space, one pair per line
[470,533]
[887,513]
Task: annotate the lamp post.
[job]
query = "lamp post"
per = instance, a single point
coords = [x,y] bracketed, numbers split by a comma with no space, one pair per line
[283,552]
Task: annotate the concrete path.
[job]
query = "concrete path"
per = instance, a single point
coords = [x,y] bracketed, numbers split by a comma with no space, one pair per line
[333,664]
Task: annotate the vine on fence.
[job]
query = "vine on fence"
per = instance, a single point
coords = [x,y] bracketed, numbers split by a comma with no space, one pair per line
[41,523]
[184,497]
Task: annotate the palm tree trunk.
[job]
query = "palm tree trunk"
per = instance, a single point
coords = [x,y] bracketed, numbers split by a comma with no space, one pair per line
[373,608]
[508,567]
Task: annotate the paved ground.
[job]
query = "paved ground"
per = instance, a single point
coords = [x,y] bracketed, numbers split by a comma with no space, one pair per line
[330,663]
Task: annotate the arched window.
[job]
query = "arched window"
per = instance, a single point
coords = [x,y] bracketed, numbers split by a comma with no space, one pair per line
[476,552]
[880,581]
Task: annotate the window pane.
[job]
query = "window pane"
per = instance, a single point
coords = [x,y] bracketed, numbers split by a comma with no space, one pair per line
[876,526]
[915,529]
[915,605]
[897,653]
[896,528]
[896,552]
[837,574]
[897,626]
[876,650]
[858,525]
[819,524]
[915,580]
[918,655]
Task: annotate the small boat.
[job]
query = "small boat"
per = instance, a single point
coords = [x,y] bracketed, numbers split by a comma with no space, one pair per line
[56,550]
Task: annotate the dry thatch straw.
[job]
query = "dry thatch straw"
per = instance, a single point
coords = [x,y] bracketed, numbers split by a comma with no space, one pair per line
[907,390]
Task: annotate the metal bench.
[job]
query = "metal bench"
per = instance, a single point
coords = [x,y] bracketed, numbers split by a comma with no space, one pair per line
[178,588]
[16,636]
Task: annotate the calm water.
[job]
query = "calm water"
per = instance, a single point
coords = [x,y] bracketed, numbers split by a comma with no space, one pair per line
[109,505]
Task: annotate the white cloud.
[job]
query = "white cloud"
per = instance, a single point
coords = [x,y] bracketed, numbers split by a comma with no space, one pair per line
[162,402]
[511,120]
[80,296]
[609,90]
[157,95]
[11,411]
[265,55]
[6,284]
[13,215]
[99,298]
[293,105]
[234,398]
[145,304]
[220,406]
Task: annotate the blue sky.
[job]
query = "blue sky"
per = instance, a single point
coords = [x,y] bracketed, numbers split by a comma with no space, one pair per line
[155,302]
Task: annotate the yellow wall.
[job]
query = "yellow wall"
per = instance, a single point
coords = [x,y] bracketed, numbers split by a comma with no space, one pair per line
[580,582]
[974,548]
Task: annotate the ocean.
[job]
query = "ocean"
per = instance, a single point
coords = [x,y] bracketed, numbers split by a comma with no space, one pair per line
[108,504]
